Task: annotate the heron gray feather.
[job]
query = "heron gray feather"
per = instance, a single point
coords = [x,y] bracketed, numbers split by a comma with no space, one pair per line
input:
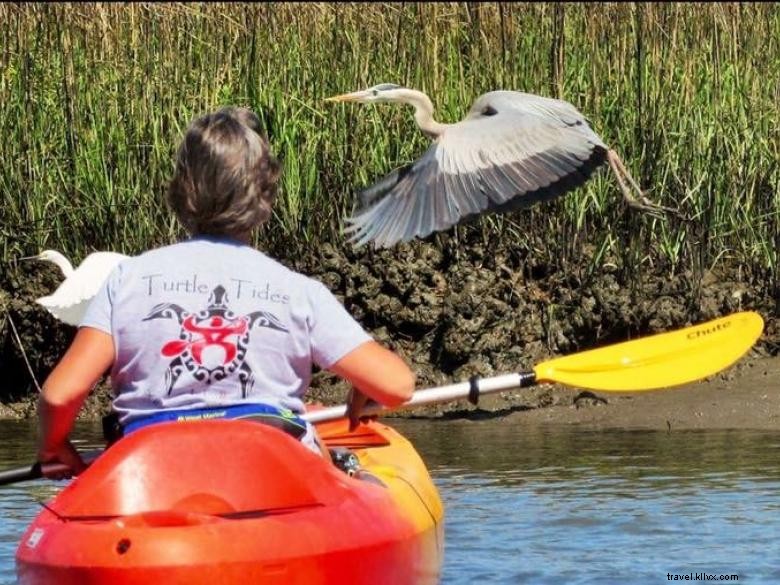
[512,150]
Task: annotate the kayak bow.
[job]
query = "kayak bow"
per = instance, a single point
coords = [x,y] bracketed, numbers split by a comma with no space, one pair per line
[231,501]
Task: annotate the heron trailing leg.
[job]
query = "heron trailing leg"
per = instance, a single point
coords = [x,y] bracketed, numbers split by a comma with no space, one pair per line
[623,176]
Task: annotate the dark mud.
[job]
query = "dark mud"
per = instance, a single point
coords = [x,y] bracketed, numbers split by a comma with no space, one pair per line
[451,310]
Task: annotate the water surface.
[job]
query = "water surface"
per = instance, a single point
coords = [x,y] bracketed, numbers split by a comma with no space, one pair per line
[566,505]
[558,504]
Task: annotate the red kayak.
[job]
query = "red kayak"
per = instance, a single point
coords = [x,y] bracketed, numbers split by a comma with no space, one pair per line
[231,501]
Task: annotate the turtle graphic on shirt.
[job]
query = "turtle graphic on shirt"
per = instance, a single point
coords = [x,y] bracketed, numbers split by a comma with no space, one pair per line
[212,343]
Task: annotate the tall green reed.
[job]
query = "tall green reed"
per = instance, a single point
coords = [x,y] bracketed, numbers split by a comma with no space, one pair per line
[93,99]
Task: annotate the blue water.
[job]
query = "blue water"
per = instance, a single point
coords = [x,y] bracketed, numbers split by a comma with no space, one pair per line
[566,506]
[560,504]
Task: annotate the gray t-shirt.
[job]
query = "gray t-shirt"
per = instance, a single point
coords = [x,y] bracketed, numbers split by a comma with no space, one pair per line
[211,322]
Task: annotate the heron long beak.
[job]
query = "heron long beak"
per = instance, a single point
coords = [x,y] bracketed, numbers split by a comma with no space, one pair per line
[30,258]
[355,96]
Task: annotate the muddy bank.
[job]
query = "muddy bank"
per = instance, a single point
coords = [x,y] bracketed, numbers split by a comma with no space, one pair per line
[746,396]
[451,310]
[488,309]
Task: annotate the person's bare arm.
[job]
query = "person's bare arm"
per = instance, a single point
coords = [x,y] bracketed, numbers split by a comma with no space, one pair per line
[377,373]
[64,392]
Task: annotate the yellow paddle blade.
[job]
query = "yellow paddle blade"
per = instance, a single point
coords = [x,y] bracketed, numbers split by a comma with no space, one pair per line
[658,361]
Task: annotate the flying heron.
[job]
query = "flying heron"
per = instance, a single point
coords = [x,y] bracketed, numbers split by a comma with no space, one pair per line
[511,150]
[71,299]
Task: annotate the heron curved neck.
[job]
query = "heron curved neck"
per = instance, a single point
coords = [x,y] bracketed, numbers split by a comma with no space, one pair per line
[61,261]
[423,112]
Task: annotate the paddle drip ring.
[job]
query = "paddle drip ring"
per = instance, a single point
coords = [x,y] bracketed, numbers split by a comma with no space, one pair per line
[474,390]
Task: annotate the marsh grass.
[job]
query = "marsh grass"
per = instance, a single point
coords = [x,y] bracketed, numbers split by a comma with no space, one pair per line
[93,99]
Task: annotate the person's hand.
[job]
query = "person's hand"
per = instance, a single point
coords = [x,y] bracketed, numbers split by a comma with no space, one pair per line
[67,455]
[356,402]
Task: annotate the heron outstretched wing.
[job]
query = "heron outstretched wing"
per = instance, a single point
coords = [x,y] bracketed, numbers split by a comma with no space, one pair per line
[512,150]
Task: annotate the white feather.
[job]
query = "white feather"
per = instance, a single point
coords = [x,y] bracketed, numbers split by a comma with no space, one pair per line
[70,301]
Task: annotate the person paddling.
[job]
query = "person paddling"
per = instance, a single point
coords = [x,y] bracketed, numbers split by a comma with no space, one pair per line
[210,327]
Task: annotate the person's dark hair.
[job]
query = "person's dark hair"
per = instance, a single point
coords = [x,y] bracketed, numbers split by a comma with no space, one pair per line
[226,177]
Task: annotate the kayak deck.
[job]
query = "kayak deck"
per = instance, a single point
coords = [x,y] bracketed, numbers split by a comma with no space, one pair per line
[247,504]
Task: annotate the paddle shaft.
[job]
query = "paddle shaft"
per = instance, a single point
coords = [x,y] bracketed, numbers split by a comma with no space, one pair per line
[472,389]
[33,471]
[38,470]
